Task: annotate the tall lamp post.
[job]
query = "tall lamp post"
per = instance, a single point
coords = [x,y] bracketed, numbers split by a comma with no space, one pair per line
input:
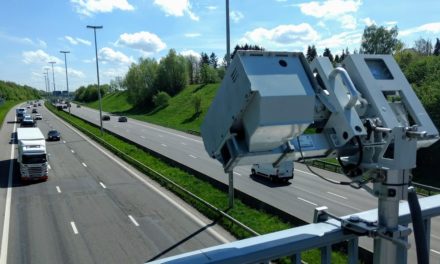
[53,75]
[48,81]
[228,44]
[65,63]
[45,81]
[97,74]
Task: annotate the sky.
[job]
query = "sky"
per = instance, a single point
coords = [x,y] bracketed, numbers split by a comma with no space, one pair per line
[32,33]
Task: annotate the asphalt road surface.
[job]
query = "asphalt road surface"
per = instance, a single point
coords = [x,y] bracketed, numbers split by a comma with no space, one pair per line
[93,209]
[299,198]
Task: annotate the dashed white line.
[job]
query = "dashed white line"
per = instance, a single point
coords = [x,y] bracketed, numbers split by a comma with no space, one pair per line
[75,230]
[435,251]
[58,189]
[73,151]
[237,173]
[133,220]
[160,136]
[64,141]
[49,167]
[192,156]
[337,195]
[143,137]
[164,145]
[304,200]
[103,186]
[183,143]
[85,165]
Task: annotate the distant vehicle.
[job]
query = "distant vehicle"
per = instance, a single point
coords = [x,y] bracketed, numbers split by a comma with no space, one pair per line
[28,107]
[20,112]
[32,155]
[35,105]
[122,119]
[53,135]
[34,111]
[28,121]
[38,117]
[105,118]
[39,104]
[59,107]
[64,106]
[284,172]
[78,106]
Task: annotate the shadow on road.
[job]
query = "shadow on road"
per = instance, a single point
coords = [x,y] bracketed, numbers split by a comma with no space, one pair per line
[4,175]
[183,240]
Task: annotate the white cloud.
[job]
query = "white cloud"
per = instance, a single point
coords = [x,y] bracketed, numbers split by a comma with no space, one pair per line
[88,7]
[236,16]
[368,21]
[61,71]
[76,41]
[341,41]
[112,73]
[42,43]
[176,8]
[433,28]
[338,10]
[23,40]
[192,35]
[38,57]
[109,55]
[282,36]
[212,8]
[187,53]
[144,41]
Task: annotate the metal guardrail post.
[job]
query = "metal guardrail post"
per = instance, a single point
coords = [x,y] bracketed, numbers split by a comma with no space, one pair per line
[326,254]
[427,223]
[353,251]
[296,259]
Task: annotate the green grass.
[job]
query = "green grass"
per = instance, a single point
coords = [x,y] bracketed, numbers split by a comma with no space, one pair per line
[179,114]
[4,109]
[257,220]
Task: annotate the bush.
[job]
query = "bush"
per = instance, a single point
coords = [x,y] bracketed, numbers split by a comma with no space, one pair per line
[197,103]
[161,99]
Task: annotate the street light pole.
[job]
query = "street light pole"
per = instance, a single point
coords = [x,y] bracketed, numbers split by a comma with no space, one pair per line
[97,74]
[65,63]
[45,81]
[228,47]
[53,75]
[48,80]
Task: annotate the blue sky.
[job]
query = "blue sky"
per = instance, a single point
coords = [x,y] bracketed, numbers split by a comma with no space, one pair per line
[32,33]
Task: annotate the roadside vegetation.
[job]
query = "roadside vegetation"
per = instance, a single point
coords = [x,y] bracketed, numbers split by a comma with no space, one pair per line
[257,220]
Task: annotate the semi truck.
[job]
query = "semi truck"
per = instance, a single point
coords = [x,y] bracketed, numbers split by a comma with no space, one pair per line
[20,113]
[283,173]
[32,156]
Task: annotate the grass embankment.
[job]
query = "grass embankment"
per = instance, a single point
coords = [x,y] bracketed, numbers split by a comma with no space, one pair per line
[4,109]
[179,114]
[257,220]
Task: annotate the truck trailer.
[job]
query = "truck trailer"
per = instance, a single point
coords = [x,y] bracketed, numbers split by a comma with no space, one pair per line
[32,155]
[283,173]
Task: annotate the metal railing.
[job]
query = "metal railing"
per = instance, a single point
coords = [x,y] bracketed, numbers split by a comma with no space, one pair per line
[292,242]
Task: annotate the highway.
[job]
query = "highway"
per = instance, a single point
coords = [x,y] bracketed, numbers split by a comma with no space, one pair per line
[93,209]
[299,198]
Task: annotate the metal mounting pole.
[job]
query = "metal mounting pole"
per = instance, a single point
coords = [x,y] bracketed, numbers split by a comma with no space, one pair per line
[228,44]
[231,189]
[97,75]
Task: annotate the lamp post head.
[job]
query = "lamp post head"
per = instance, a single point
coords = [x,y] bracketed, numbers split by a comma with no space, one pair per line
[94,27]
[64,51]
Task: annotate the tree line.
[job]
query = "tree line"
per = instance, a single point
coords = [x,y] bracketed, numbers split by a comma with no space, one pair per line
[10,91]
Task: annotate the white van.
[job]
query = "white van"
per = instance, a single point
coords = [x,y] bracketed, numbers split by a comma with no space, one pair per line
[284,172]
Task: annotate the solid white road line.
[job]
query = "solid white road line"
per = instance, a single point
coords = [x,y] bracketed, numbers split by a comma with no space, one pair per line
[304,200]
[149,185]
[75,230]
[5,235]
[434,236]
[133,220]
[337,195]
[192,156]
[85,165]
[103,186]
[237,173]
[435,251]
[64,141]
[58,189]
[49,167]
[164,145]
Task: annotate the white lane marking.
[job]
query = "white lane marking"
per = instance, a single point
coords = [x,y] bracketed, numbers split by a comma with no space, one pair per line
[85,165]
[160,136]
[149,185]
[58,189]
[183,143]
[133,220]
[237,173]
[73,151]
[435,251]
[337,195]
[436,237]
[103,186]
[192,156]
[164,145]
[143,137]
[49,167]
[164,131]
[64,141]
[304,200]
[5,235]
[75,230]
[128,131]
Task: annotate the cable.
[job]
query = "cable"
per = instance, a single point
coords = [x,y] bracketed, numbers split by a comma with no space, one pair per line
[350,168]
[353,184]
[419,227]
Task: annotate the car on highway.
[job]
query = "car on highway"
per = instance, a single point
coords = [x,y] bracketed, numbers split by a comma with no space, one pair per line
[78,106]
[34,111]
[39,104]
[53,135]
[122,119]
[38,117]
[105,118]
[28,121]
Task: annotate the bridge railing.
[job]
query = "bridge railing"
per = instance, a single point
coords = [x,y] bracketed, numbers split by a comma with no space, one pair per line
[292,242]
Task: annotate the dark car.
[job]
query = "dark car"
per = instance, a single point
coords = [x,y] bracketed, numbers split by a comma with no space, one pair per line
[105,118]
[78,106]
[53,135]
[122,119]
[34,111]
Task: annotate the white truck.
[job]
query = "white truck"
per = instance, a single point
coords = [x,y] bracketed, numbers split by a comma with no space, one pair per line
[284,171]
[32,155]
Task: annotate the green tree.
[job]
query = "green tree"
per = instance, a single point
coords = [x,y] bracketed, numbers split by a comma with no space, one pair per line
[197,103]
[140,81]
[208,74]
[328,53]
[423,46]
[213,60]
[379,40]
[437,48]
[311,53]
[161,99]
[172,74]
